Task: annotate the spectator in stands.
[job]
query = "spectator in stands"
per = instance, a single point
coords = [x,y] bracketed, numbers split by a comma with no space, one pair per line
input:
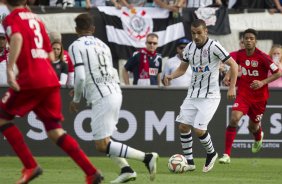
[171,5]
[3,60]
[95,3]
[55,36]
[199,3]
[277,6]
[173,63]
[59,3]
[59,64]
[145,64]
[133,3]
[276,54]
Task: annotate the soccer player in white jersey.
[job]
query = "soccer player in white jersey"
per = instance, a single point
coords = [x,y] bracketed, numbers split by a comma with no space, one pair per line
[203,97]
[97,80]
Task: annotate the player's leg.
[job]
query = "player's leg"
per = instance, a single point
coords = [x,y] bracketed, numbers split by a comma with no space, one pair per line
[230,134]
[11,103]
[186,144]
[105,115]
[49,112]
[186,117]
[206,110]
[255,114]
[239,108]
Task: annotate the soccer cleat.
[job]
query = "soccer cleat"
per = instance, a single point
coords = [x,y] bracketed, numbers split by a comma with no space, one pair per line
[210,160]
[225,159]
[125,177]
[257,145]
[97,178]
[29,174]
[150,161]
[190,168]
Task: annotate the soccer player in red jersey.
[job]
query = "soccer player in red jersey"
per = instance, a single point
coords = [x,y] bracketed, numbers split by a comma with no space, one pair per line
[35,88]
[252,92]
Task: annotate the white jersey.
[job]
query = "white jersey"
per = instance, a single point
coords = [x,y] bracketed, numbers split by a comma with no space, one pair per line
[205,62]
[170,66]
[94,72]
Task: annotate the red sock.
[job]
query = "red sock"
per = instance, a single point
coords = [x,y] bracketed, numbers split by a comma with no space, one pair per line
[71,147]
[16,140]
[257,135]
[230,135]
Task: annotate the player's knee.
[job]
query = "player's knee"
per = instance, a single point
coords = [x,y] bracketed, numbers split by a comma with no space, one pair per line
[183,128]
[253,128]
[199,133]
[101,146]
[234,121]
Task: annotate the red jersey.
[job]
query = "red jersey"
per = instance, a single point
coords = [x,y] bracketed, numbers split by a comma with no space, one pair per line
[254,67]
[35,70]
[68,61]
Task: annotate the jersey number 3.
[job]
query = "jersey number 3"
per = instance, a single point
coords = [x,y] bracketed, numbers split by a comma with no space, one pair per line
[38,39]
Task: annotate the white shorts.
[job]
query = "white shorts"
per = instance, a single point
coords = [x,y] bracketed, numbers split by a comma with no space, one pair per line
[105,115]
[197,112]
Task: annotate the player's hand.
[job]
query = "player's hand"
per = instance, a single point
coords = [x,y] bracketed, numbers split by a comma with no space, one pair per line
[71,93]
[11,79]
[226,80]
[73,107]
[256,84]
[167,80]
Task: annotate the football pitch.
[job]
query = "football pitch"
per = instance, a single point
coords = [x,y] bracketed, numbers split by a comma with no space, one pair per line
[61,170]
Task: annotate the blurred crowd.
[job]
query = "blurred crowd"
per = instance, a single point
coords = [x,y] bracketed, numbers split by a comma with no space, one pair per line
[172,5]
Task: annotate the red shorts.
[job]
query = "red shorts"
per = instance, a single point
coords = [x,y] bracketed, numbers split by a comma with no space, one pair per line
[254,110]
[44,102]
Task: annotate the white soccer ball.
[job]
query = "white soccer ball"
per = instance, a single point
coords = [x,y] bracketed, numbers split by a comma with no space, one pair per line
[177,163]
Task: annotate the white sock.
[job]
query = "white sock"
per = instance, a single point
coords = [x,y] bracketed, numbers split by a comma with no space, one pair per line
[121,162]
[122,150]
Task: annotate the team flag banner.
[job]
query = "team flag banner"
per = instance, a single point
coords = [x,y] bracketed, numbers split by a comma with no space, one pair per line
[127,29]
[217,19]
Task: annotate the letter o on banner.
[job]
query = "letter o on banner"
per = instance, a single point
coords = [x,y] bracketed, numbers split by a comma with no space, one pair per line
[132,126]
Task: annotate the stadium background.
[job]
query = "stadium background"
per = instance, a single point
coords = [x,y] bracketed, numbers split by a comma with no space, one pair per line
[147,116]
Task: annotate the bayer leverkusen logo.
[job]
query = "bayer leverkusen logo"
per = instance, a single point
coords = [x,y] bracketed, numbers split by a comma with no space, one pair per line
[137,24]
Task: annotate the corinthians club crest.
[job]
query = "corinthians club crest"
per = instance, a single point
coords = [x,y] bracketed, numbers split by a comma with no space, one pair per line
[136,24]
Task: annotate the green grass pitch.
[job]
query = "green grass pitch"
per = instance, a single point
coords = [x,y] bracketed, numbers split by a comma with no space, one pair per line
[61,170]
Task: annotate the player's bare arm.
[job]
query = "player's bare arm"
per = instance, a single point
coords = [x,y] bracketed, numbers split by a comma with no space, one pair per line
[256,84]
[177,73]
[16,42]
[51,56]
[233,73]
[125,76]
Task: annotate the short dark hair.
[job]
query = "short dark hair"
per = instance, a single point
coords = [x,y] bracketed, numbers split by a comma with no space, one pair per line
[84,21]
[252,31]
[152,35]
[198,23]
[16,2]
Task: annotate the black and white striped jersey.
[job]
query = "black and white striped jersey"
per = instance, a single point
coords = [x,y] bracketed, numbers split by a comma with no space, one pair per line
[95,75]
[205,62]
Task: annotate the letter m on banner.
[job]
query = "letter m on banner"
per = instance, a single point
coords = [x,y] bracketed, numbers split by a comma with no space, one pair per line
[127,29]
